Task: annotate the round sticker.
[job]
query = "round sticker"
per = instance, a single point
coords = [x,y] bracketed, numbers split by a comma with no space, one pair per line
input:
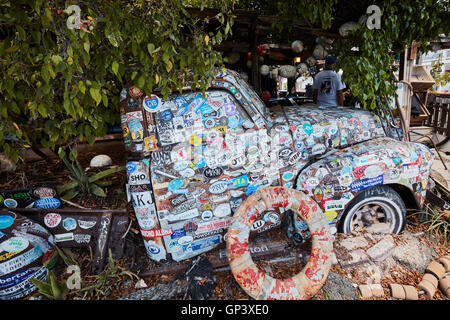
[271,217]
[135,92]
[43,192]
[299,145]
[330,215]
[130,167]
[151,103]
[6,222]
[10,203]
[153,249]
[207,215]
[52,220]
[288,176]
[69,224]
[15,244]
[308,128]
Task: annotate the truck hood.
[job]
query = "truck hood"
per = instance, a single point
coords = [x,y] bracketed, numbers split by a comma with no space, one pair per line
[317,130]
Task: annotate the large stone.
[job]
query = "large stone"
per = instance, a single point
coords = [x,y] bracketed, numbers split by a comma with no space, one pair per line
[336,287]
[6,164]
[351,258]
[354,243]
[164,291]
[382,249]
[413,254]
[102,160]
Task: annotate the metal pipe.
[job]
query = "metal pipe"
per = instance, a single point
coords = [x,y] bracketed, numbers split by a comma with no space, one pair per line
[437,150]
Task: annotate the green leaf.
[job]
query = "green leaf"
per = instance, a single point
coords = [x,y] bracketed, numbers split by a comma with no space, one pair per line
[95,94]
[56,59]
[43,287]
[70,185]
[105,173]
[115,67]
[70,194]
[97,190]
[82,87]
[86,46]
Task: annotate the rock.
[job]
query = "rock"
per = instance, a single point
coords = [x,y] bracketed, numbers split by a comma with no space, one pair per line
[101,160]
[140,284]
[351,258]
[164,291]
[337,287]
[6,164]
[382,249]
[354,243]
[413,254]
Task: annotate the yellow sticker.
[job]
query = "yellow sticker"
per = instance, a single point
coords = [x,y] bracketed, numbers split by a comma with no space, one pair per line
[196,140]
[330,215]
[221,129]
[125,130]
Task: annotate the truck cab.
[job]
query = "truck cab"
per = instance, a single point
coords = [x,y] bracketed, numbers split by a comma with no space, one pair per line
[194,158]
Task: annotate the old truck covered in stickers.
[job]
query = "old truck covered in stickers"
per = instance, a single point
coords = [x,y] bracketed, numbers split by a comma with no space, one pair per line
[193,159]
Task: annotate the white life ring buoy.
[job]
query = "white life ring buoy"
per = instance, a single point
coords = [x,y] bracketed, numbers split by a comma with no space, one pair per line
[259,285]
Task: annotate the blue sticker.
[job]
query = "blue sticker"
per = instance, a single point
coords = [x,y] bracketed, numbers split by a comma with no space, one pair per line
[200,163]
[16,278]
[288,176]
[205,110]
[233,122]
[305,154]
[167,115]
[366,183]
[6,222]
[152,249]
[69,224]
[308,128]
[299,145]
[47,203]
[151,103]
[175,184]
[135,126]
[178,233]
[251,189]
[179,102]
[10,203]
[201,244]
[131,166]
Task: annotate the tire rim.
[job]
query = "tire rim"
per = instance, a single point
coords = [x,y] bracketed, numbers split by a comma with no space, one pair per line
[373,215]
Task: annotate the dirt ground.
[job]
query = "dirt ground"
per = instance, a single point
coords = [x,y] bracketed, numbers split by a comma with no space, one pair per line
[123,282]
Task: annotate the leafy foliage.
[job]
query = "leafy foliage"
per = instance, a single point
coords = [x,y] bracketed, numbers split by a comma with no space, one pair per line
[368,70]
[81,184]
[436,72]
[52,290]
[438,222]
[58,84]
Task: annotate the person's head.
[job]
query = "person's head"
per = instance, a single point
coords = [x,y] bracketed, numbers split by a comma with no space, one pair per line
[330,62]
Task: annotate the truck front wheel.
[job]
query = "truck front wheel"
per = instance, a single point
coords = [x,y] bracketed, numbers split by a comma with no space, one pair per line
[378,209]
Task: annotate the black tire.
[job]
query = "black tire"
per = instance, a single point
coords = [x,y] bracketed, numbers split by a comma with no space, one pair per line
[360,213]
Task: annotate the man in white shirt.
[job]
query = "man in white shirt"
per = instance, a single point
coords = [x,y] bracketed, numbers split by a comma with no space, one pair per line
[327,86]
